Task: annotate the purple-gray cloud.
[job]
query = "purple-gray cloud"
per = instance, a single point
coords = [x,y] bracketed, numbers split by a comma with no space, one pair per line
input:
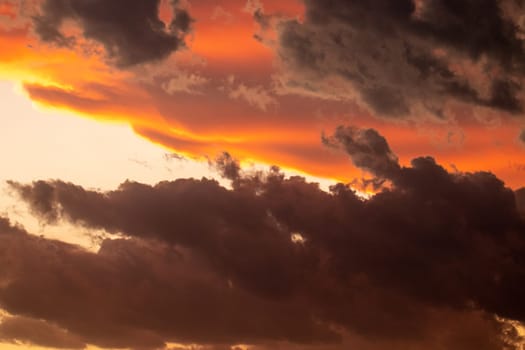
[210,265]
[130,31]
[408,57]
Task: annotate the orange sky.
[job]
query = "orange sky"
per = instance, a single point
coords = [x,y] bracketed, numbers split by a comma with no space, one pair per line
[223,98]
[114,122]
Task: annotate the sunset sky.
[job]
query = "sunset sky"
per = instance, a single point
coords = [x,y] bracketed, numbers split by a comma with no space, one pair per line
[262,174]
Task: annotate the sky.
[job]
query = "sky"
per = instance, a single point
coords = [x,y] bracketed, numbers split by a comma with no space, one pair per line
[262,174]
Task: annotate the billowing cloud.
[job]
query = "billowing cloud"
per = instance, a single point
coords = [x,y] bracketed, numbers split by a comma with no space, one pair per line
[408,57]
[367,149]
[134,293]
[433,249]
[130,31]
[227,166]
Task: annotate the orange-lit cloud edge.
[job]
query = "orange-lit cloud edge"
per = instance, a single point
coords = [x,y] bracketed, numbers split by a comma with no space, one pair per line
[232,107]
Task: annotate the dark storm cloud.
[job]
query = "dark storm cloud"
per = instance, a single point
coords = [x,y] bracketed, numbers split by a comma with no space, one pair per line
[402,266]
[130,30]
[409,56]
[520,200]
[134,293]
[367,149]
[196,213]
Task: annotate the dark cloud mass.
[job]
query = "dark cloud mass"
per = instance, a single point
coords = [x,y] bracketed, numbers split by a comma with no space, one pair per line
[130,30]
[520,200]
[134,293]
[408,57]
[367,149]
[426,263]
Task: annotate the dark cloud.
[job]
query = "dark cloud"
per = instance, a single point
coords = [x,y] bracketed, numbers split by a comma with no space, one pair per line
[520,200]
[367,149]
[408,57]
[130,31]
[134,293]
[228,167]
[196,213]
[431,250]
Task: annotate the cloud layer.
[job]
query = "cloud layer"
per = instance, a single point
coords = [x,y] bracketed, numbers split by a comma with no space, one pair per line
[206,264]
[408,57]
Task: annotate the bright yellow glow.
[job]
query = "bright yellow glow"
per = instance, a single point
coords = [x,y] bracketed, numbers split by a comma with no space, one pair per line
[41,144]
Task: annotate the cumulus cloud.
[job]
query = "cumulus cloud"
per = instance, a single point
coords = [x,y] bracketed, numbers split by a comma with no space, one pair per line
[130,31]
[227,166]
[209,264]
[407,57]
[367,149]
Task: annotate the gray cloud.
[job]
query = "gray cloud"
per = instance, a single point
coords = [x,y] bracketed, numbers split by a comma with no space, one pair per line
[367,149]
[130,31]
[408,57]
[227,166]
